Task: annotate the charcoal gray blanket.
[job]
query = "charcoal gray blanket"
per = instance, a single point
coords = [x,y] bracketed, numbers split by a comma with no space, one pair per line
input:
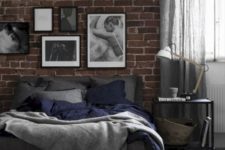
[49,133]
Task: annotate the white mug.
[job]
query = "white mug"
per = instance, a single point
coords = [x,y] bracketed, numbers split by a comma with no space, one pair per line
[173,91]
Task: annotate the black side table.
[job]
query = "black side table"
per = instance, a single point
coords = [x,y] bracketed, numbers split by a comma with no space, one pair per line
[209,106]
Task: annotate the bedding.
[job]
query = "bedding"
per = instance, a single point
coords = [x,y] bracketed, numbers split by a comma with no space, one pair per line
[41,117]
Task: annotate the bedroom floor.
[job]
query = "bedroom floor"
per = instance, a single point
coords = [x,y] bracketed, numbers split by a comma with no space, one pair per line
[219,141]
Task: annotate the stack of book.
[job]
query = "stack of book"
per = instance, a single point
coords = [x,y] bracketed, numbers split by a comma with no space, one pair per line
[205,131]
[173,99]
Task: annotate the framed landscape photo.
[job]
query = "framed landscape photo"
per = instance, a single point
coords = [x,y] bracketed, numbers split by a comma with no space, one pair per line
[68,19]
[106,44]
[14,37]
[60,51]
[43,19]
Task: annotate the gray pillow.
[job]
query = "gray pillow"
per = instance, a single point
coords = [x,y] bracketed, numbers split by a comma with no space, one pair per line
[59,85]
[23,90]
[130,84]
[72,96]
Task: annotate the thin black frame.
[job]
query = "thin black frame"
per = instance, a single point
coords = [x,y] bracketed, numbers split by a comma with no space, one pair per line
[76,19]
[125,38]
[52,25]
[79,55]
[28,37]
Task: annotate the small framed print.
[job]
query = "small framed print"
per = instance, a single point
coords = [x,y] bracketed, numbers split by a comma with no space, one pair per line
[60,51]
[106,43]
[43,19]
[68,19]
[14,37]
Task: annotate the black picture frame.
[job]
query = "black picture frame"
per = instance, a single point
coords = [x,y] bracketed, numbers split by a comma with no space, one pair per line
[43,19]
[54,47]
[103,49]
[68,24]
[14,38]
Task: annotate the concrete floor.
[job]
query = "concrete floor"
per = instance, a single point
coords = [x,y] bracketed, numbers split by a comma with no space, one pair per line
[219,141]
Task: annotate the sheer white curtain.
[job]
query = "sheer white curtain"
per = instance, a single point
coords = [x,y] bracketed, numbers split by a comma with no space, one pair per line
[183,23]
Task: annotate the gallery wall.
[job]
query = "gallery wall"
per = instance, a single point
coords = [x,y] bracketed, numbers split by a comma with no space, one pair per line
[142,43]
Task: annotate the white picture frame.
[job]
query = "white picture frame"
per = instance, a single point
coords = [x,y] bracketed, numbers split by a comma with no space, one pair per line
[106,42]
[43,19]
[60,51]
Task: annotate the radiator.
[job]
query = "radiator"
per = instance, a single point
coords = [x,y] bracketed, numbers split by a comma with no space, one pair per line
[217,93]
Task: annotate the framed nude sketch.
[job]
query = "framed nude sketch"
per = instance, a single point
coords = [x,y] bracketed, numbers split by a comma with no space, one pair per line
[68,19]
[60,51]
[106,42]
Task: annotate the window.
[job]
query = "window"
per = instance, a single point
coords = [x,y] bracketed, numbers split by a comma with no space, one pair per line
[215,30]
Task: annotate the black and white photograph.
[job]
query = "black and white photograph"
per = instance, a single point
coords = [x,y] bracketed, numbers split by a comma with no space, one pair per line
[106,40]
[60,51]
[68,19]
[14,37]
[43,19]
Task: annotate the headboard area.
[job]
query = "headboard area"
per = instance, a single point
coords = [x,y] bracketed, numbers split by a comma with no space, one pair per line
[28,85]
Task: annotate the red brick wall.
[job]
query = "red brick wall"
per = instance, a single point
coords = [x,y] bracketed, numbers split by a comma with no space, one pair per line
[142,42]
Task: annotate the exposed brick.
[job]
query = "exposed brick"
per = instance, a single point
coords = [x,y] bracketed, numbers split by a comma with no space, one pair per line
[2,83]
[63,71]
[145,57]
[11,83]
[135,50]
[152,9]
[146,2]
[133,16]
[144,64]
[15,11]
[142,71]
[94,9]
[135,23]
[136,43]
[151,36]
[134,9]
[142,35]
[147,16]
[83,3]
[114,9]
[63,3]
[135,37]
[103,3]
[123,2]
[10,77]
[147,30]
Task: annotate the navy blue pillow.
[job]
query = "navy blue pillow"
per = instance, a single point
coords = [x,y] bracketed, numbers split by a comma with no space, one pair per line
[108,94]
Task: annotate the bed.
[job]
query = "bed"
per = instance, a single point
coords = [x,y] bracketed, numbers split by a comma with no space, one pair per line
[72,112]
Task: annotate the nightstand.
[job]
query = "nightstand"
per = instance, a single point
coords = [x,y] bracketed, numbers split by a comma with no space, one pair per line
[194,145]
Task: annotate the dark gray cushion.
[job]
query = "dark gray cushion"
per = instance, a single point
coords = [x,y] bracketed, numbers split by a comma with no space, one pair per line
[72,96]
[58,85]
[130,84]
[23,90]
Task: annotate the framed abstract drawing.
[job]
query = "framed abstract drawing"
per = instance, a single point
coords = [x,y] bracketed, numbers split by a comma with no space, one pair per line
[68,19]
[60,51]
[43,19]
[106,43]
[14,37]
